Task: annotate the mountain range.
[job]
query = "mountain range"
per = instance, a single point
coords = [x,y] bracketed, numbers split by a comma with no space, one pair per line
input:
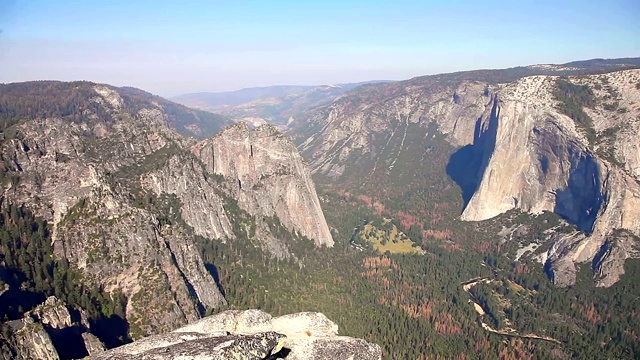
[488,213]
[271,104]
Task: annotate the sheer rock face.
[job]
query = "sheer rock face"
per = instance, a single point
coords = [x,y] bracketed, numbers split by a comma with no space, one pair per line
[202,205]
[269,177]
[251,334]
[536,159]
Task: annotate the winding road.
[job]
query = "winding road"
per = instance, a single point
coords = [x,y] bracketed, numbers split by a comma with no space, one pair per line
[468,285]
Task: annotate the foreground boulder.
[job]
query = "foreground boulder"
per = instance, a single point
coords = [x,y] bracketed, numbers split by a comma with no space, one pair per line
[250,334]
[199,346]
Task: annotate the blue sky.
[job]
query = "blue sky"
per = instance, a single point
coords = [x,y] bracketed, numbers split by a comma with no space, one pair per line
[173,47]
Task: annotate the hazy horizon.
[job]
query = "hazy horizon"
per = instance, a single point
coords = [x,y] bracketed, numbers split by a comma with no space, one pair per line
[171,48]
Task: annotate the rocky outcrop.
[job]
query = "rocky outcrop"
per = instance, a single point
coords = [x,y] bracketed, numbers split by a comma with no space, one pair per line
[195,346]
[269,177]
[260,169]
[154,263]
[83,177]
[52,313]
[92,344]
[251,334]
[609,261]
[33,342]
[49,332]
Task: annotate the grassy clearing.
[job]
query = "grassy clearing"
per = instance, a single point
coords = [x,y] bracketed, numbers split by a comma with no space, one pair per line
[388,237]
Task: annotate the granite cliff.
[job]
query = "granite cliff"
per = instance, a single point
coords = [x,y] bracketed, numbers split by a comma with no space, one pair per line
[536,158]
[272,178]
[80,176]
[539,138]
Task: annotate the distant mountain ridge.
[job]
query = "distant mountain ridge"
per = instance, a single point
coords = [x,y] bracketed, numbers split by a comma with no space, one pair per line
[271,104]
[68,100]
[213,99]
[237,97]
[604,63]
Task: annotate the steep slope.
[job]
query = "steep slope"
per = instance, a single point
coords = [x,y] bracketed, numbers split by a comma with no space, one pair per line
[126,197]
[403,147]
[50,331]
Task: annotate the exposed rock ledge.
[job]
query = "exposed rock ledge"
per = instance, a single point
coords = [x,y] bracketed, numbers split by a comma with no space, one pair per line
[250,334]
[51,331]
